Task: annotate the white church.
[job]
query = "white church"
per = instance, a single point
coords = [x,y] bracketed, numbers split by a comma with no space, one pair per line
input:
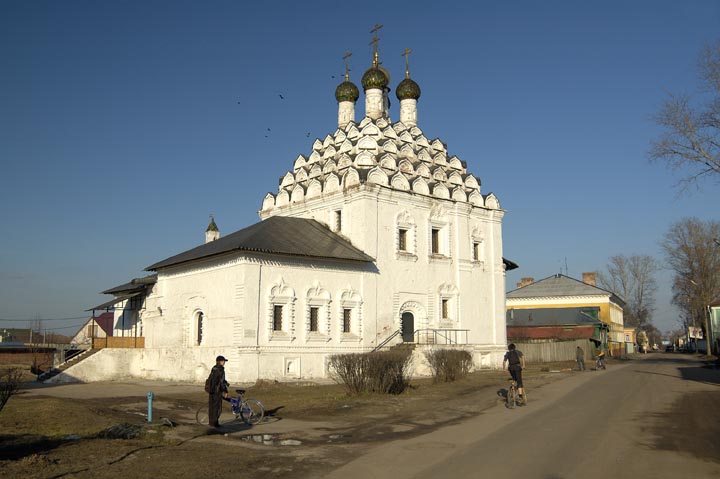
[375,238]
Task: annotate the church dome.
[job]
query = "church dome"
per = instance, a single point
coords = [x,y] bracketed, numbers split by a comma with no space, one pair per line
[407,89]
[212,226]
[347,91]
[375,77]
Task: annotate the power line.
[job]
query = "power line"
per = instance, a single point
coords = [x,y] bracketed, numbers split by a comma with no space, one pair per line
[75,326]
[64,327]
[44,319]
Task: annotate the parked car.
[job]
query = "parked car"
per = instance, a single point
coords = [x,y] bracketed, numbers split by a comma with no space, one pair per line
[670,349]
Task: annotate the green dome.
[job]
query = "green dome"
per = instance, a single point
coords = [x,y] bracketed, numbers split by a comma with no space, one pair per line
[407,89]
[374,77]
[347,91]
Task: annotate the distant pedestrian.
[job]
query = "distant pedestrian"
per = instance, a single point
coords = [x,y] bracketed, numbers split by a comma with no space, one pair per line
[218,389]
[580,358]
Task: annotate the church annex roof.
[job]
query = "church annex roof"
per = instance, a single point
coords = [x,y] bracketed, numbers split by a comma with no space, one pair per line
[379,152]
[275,235]
[135,285]
[560,285]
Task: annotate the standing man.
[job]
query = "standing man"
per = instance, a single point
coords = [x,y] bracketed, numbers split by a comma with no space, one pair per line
[516,363]
[580,358]
[218,391]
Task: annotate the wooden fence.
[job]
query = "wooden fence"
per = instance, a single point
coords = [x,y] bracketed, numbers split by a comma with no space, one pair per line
[550,351]
[118,342]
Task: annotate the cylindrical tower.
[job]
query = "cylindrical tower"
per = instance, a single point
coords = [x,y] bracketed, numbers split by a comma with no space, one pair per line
[346,95]
[408,92]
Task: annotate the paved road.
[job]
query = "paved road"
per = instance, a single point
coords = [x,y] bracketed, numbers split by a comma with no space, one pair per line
[655,417]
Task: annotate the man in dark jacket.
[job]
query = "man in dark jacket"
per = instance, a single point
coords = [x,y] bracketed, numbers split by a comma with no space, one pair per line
[218,391]
[580,358]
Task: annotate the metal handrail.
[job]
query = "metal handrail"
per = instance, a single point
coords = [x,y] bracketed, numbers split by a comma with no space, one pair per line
[387,340]
[449,336]
[439,336]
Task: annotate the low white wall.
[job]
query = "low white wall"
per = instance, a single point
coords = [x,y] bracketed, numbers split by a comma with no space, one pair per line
[243,366]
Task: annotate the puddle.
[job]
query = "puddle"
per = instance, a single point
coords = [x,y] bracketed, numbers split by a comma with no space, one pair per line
[270,440]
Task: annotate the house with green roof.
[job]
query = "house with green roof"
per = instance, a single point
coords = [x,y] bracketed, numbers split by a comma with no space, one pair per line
[559,292]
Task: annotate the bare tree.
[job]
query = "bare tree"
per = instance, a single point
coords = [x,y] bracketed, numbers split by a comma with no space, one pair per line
[693,255]
[633,279]
[690,141]
[9,382]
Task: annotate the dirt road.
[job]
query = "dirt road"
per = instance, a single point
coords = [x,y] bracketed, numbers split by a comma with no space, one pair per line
[657,416]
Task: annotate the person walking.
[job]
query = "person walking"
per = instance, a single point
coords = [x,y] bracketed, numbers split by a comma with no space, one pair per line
[218,391]
[516,363]
[580,358]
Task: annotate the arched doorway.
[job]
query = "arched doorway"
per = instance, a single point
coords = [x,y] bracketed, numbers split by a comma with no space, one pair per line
[408,327]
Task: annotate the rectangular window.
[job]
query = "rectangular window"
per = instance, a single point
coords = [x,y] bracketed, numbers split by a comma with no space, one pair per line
[476,251]
[338,220]
[402,239]
[314,314]
[444,308]
[277,317]
[435,241]
[346,320]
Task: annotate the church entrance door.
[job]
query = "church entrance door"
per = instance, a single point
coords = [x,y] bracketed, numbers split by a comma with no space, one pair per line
[408,327]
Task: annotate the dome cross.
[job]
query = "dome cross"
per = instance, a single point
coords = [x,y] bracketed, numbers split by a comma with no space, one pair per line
[347,67]
[374,43]
[406,54]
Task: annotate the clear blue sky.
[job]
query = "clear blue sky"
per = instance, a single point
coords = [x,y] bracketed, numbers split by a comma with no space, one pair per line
[124,124]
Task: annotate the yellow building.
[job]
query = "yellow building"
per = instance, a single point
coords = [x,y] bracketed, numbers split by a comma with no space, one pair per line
[560,291]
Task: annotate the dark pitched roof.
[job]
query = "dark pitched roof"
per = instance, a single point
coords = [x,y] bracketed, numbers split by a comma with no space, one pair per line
[552,317]
[560,285]
[135,285]
[114,301]
[276,235]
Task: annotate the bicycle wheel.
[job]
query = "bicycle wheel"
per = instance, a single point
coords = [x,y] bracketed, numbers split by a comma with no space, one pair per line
[201,416]
[252,411]
[511,397]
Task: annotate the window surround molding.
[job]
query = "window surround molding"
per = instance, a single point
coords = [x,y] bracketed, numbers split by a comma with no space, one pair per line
[281,295]
[405,221]
[448,292]
[477,238]
[350,299]
[439,221]
[318,297]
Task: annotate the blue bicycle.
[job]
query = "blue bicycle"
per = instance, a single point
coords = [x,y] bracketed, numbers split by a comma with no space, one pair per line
[251,411]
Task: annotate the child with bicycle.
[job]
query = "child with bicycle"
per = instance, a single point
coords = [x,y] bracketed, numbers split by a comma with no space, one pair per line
[515,364]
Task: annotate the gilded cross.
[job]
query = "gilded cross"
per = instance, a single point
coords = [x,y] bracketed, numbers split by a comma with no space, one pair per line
[347,68]
[374,42]
[406,54]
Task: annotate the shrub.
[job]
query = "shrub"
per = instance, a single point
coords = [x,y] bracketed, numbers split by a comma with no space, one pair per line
[388,371]
[449,365]
[384,372]
[350,370]
[9,383]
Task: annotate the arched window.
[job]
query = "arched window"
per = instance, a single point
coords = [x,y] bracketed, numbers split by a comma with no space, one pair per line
[199,325]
